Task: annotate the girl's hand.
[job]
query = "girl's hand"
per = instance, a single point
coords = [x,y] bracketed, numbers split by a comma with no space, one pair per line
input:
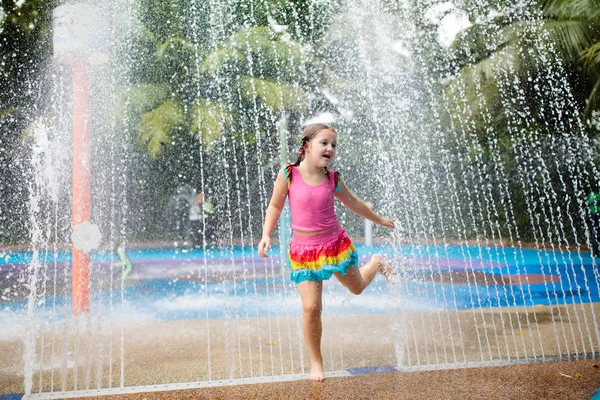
[387,222]
[265,244]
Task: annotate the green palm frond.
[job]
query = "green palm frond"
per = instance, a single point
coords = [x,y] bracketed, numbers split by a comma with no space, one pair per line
[506,60]
[219,59]
[570,9]
[279,54]
[591,56]
[149,36]
[209,121]
[155,128]
[256,37]
[134,100]
[476,88]
[173,46]
[276,95]
[287,56]
[489,59]
[480,40]
[570,37]
[177,57]
[142,36]
[593,101]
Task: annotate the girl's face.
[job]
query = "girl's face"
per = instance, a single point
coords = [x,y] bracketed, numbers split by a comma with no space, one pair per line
[321,149]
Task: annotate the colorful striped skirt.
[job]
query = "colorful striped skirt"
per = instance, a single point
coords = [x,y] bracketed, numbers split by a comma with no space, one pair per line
[316,258]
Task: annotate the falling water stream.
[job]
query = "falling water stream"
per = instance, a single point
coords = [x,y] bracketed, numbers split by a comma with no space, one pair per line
[492,233]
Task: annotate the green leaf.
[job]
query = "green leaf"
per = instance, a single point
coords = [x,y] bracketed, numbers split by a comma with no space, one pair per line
[481,40]
[177,60]
[10,112]
[570,9]
[256,37]
[276,95]
[175,47]
[507,59]
[219,59]
[156,127]
[593,101]
[280,57]
[591,56]
[570,37]
[134,100]
[209,121]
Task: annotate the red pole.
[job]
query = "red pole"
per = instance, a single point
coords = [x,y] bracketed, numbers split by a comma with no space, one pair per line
[81,183]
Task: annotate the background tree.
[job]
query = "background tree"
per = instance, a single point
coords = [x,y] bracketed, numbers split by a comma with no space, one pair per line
[520,91]
[507,43]
[25,37]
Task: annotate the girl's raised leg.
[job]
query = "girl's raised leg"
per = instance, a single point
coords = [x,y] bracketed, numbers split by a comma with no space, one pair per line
[311,293]
[357,279]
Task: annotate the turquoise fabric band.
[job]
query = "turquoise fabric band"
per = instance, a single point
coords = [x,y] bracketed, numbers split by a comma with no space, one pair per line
[325,272]
[339,181]
[285,171]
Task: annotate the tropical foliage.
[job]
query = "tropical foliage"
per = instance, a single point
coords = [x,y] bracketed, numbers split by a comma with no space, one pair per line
[519,89]
[202,81]
[24,38]
[194,70]
[508,44]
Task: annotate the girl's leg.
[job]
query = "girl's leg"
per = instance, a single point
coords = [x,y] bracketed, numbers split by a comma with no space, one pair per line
[357,279]
[311,293]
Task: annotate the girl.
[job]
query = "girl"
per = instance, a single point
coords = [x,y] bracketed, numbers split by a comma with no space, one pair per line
[319,245]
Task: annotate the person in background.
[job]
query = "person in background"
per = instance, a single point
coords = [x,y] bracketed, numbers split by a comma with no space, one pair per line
[199,215]
[593,201]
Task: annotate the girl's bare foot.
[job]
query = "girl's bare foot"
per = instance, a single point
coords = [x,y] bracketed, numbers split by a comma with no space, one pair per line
[316,372]
[388,272]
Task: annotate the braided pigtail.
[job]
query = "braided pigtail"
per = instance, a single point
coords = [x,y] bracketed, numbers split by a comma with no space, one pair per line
[301,152]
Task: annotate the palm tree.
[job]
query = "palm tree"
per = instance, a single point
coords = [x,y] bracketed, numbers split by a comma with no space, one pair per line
[509,46]
[521,84]
[187,85]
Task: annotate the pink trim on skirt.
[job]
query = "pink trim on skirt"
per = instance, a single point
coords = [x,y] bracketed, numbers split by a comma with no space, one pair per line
[318,239]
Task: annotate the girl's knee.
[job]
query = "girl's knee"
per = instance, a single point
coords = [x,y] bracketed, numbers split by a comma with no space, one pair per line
[354,286]
[313,310]
[356,290]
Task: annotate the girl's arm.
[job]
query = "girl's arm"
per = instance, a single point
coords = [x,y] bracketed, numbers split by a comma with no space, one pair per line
[359,207]
[280,191]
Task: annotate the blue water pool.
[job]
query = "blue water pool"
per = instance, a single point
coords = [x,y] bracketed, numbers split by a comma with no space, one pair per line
[177,283]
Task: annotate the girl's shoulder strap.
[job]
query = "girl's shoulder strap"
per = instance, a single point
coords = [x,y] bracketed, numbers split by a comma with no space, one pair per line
[287,170]
[337,182]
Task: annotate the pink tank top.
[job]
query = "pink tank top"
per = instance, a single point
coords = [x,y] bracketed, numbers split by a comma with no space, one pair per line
[312,206]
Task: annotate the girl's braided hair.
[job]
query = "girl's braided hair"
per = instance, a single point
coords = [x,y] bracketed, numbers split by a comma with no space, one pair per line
[308,133]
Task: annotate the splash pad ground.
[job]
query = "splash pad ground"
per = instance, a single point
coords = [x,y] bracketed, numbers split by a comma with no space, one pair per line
[175,357]
[166,322]
[559,380]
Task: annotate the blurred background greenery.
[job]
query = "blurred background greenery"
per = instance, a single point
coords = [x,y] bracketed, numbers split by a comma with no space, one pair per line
[189,84]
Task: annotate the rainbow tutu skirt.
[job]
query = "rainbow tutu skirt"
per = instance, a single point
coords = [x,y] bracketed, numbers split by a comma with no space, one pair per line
[316,258]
